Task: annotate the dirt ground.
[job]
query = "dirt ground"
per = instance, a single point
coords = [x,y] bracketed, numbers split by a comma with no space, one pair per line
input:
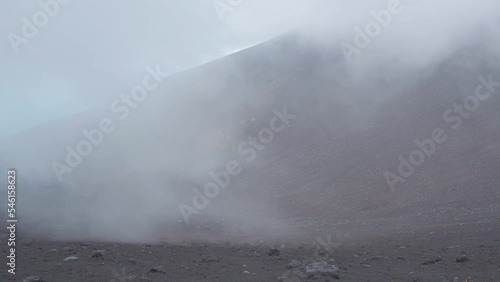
[431,253]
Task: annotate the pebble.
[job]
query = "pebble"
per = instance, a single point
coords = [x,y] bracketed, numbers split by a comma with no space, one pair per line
[294,264]
[72,258]
[33,279]
[462,258]
[322,268]
[274,252]
[156,269]
[98,253]
[209,258]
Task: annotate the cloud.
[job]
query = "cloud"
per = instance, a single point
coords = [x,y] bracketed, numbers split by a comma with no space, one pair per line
[92,53]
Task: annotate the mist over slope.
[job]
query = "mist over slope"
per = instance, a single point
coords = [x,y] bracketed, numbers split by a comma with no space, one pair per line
[351,123]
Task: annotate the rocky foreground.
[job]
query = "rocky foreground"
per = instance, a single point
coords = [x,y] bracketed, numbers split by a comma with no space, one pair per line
[453,253]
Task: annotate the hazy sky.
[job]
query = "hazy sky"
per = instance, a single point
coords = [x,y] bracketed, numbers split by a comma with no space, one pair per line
[90,51]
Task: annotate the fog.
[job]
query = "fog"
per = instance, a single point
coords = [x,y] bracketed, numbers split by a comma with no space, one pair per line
[211,85]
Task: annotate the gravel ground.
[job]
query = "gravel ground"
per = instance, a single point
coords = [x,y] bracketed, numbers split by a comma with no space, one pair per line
[433,253]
